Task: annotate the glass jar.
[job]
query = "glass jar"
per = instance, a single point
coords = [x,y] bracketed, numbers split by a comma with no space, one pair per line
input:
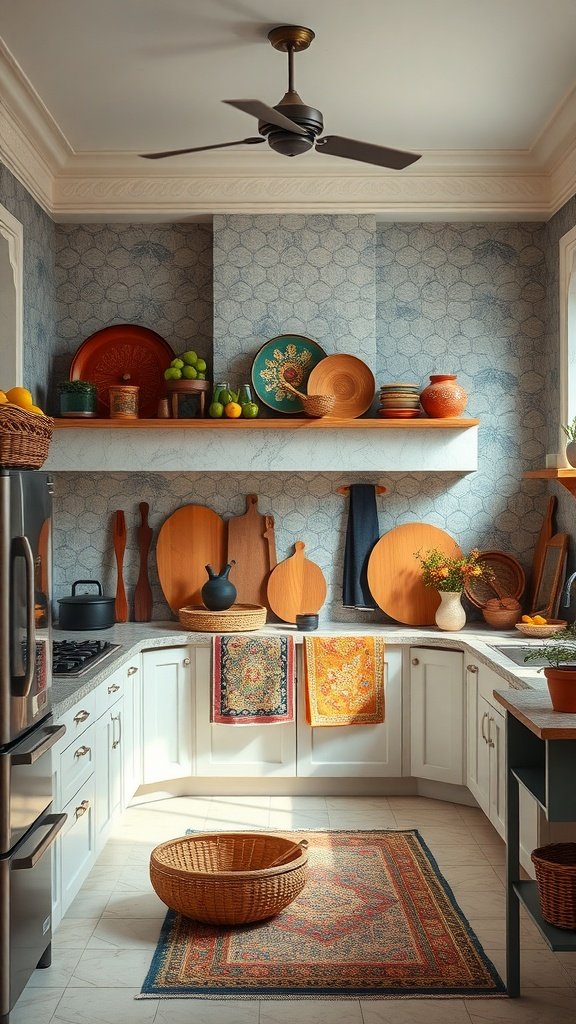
[218,389]
[77,398]
[245,394]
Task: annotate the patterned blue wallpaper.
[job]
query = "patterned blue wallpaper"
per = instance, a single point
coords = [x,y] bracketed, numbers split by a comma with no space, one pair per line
[155,275]
[39,304]
[409,299]
[296,274]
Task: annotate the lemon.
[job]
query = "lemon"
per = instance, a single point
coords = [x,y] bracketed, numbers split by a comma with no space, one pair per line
[37,410]
[3,398]
[528,620]
[21,397]
[539,620]
[232,410]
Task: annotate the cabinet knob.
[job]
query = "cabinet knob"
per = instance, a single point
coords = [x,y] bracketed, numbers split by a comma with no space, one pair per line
[132,670]
[114,688]
[81,716]
[186,662]
[472,668]
[82,751]
[82,808]
[415,661]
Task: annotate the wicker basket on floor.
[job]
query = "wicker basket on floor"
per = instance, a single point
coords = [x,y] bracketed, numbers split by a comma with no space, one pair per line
[555,867]
[24,438]
[222,877]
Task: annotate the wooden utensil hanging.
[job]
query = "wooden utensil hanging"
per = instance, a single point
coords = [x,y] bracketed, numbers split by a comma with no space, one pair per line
[143,591]
[546,532]
[120,603]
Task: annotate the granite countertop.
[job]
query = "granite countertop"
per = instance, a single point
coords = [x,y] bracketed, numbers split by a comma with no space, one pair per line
[475,639]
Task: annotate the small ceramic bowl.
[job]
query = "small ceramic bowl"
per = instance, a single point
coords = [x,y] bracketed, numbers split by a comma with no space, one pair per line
[306,623]
[552,626]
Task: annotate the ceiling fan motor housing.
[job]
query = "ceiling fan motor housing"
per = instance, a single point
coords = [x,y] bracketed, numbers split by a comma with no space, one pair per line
[288,143]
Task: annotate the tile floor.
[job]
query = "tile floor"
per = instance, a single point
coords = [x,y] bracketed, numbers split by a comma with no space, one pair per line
[103,948]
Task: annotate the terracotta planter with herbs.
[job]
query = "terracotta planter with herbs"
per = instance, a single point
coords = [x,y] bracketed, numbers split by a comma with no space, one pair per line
[562,687]
[560,672]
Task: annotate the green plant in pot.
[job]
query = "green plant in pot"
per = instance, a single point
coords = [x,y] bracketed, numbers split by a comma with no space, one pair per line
[77,398]
[570,431]
[560,654]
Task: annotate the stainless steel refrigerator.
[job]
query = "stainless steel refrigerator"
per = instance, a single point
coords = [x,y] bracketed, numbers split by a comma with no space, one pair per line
[28,825]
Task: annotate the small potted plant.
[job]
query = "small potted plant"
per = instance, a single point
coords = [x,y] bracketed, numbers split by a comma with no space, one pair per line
[77,398]
[560,655]
[570,431]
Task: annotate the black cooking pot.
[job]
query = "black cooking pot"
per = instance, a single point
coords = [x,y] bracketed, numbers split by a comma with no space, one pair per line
[86,611]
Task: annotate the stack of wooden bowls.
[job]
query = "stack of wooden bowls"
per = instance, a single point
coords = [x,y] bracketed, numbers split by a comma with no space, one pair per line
[399,401]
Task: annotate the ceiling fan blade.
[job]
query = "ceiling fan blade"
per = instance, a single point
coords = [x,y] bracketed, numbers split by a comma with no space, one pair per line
[268,114]
[365,152]
[201,149]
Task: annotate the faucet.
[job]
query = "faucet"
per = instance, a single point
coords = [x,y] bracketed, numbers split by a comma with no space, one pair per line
[567,589]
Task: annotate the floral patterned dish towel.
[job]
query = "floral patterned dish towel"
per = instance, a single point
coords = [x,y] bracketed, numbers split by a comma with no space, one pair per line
[252,679]
[344,680]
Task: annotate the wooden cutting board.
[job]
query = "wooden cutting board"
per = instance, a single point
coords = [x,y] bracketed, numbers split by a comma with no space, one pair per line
[191,538]
[296,586]
[394,574]
[546,532]
[248,545]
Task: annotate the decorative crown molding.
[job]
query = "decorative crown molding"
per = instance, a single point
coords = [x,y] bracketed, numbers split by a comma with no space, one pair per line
[526,185]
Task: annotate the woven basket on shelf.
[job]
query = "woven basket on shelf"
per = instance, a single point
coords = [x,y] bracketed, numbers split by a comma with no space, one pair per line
[555,867]
[223,878]
[314,405]
[24,438]
[240,618]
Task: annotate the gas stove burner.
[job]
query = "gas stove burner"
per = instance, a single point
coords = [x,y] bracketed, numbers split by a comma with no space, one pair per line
[73,658]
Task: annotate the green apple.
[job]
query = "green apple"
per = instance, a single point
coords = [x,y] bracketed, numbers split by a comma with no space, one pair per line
[172,373]
[190,358]
[216,410]
[250,410]
[201,365]
[190,372]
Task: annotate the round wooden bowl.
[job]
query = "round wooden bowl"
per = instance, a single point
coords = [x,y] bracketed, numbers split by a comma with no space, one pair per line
[552,626]
[501,614]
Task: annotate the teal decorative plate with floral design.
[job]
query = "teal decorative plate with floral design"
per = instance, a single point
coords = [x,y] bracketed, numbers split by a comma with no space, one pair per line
[289,355]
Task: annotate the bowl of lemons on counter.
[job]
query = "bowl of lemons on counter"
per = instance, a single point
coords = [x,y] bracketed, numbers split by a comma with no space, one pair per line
[539,626]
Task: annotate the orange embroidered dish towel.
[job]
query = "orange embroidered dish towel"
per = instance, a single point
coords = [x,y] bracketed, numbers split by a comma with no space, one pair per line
[344,678]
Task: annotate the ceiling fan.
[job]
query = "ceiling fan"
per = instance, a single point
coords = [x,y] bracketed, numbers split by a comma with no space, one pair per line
[291,128]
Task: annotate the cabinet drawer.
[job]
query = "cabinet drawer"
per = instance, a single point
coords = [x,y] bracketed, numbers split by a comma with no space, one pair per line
[77,719]
[115,686]
[77,764]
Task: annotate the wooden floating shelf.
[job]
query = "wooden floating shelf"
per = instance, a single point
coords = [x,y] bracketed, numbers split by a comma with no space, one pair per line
[566,477]
[325,423]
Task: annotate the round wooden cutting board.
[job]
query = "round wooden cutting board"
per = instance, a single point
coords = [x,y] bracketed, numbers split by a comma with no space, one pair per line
[395,577]
[191,538]
[296,586]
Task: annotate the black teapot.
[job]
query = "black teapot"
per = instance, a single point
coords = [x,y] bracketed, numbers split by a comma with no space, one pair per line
[218,593]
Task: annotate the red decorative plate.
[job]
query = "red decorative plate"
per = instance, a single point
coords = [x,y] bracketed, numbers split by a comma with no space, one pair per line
[124,354]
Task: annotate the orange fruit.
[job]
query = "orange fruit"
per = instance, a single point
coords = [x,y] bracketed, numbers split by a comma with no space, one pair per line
[37,410]
[539,620]
[528,619]
[232,410]
[21,397]
[3,398]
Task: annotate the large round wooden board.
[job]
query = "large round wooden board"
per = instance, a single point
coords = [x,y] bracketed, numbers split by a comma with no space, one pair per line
[191,538]
[395,576]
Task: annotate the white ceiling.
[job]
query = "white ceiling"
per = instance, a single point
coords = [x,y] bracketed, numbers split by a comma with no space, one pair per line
[137,75]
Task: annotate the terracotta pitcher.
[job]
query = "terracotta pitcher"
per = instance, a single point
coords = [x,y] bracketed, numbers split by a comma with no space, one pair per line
[443,397]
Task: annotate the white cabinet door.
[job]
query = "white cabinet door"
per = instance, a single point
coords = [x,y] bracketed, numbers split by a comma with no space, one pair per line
[167,717]
[354,751]
[238,751]
[77,843]
[108,770]
[132,731]
[496,729]
[437,715]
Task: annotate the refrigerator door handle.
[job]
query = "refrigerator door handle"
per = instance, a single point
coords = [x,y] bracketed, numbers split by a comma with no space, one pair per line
[25,863]
[52,734]
[21,685]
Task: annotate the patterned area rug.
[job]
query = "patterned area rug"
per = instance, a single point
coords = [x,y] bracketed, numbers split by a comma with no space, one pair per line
[376,920]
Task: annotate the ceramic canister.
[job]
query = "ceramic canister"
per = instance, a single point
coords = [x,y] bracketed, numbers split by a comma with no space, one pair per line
[443,397]
[124,401]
